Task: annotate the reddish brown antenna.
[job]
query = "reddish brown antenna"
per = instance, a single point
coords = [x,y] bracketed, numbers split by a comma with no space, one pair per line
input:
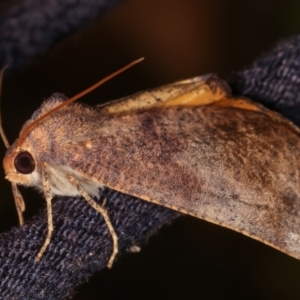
[2,133]
[25,131]
[17,195]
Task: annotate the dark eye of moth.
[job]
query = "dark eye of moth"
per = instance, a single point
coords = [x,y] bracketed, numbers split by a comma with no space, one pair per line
[24,163]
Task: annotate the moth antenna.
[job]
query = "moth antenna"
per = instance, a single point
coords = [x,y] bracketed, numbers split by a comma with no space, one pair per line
[74,98]
[2,133]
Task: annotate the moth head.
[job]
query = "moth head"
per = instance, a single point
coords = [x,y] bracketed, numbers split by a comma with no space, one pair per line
[20,165]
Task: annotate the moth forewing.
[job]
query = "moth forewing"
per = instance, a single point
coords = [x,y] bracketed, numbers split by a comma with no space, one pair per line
[228,161]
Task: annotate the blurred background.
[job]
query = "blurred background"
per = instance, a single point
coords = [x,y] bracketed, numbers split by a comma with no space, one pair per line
[179,39]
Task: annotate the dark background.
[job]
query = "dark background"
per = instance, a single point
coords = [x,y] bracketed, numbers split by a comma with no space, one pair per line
[179,39]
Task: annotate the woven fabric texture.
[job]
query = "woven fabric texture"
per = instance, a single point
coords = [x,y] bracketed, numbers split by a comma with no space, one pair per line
[30,27]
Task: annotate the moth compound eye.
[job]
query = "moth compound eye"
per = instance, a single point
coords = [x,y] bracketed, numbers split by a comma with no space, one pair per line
[24,163]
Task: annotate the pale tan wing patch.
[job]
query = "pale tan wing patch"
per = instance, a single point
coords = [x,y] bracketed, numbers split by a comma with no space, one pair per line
[191,92]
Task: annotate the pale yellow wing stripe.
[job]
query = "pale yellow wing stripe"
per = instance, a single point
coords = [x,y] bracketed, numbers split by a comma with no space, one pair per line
[197,91]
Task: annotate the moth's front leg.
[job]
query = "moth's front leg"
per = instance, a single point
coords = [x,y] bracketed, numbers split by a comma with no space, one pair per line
[48,197]
[19,202]
[103,212]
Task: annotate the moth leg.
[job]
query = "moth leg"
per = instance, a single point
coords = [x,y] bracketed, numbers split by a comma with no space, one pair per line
[19,202]
[48,197]
[103,212]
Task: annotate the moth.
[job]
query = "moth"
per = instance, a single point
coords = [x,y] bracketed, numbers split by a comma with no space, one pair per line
[189,146]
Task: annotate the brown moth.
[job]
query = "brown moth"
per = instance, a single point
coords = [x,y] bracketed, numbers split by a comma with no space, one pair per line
[189,146]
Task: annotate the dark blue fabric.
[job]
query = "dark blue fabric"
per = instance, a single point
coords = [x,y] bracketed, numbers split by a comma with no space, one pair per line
[274,80]
[30,27]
